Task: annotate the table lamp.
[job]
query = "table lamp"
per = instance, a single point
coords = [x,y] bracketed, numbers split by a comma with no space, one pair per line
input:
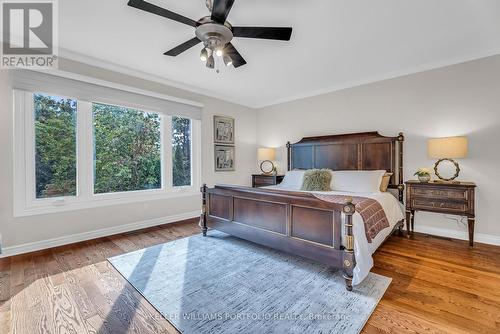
[447,149]
[267,155]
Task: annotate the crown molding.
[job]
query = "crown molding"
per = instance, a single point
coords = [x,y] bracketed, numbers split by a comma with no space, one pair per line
[110,84]
[70,55]
[208,93]
[388,76]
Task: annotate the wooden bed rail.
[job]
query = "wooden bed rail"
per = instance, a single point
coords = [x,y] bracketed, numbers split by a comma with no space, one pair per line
[295,222]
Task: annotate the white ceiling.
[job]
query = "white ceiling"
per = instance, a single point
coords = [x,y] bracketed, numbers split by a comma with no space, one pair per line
[335,43]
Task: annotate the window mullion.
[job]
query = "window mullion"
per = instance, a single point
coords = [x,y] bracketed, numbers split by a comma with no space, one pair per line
[85,149]
[196,153]
[166,141]
[26,144]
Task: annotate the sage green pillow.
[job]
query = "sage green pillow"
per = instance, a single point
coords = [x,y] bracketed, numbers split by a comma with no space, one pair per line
[317,180]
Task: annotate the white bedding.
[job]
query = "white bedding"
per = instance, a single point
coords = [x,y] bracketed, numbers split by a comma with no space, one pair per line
[363,250]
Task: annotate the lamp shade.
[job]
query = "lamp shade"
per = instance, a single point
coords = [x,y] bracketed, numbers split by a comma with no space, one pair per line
[450,147]
[266,154]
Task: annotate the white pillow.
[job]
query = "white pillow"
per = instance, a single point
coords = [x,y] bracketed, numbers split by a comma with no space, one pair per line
[357,181]
[293,180]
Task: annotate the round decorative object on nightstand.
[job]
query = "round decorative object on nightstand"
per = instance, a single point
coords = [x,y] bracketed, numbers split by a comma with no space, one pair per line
[457,169]
[267,167]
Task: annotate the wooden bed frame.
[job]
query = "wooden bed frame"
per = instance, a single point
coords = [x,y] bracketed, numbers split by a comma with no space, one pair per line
[299,223]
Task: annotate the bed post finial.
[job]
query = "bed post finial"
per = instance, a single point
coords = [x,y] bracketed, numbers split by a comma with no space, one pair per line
[348,259]
[401,186]
[288,151]
[203,218]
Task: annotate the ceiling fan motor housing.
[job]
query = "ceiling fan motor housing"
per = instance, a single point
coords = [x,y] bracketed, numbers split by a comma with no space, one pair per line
[213,35]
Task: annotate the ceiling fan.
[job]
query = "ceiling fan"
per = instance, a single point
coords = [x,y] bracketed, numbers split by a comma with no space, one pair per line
[215,32]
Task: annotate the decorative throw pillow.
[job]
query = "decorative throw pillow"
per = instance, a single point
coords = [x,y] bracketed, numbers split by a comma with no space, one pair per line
[317,180]
[385,182]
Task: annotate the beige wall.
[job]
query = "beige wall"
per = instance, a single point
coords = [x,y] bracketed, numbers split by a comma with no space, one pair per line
[18,231]
[457,100]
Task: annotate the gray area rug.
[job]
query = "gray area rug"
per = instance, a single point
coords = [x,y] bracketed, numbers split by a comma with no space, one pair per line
[222,284]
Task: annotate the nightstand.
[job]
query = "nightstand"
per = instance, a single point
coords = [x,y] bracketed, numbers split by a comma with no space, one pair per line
[262,180]
[439,197]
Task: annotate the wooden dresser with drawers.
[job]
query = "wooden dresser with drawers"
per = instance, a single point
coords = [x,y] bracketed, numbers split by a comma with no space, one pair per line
[441,197]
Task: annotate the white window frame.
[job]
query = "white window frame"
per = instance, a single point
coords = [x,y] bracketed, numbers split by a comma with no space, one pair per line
[25,201]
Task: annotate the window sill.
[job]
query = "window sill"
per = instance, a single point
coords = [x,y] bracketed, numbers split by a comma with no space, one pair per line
[102,200]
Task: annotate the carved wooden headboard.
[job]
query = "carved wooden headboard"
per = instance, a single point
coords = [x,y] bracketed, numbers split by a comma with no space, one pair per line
[355,151]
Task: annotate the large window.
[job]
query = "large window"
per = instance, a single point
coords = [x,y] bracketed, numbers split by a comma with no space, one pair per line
[127,149]
[55,146]
[72,154]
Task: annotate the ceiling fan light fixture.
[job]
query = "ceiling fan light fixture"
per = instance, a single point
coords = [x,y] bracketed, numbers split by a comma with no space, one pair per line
[218,52]
[204,55]
[211,62]
[227,60]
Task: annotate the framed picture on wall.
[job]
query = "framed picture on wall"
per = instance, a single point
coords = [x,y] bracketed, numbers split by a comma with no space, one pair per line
[224,158]
[224,130]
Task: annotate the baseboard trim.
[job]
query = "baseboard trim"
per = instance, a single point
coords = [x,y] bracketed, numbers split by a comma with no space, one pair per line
[461,235]
[65,240]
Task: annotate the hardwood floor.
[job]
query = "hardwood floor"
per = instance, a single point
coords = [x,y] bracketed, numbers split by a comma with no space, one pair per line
[439,286]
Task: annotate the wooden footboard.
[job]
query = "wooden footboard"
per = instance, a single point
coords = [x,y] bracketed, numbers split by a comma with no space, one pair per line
[294,222]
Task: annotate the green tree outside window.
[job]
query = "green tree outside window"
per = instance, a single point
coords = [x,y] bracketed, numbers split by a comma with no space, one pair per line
[181,151]
[55,146]
[127,149]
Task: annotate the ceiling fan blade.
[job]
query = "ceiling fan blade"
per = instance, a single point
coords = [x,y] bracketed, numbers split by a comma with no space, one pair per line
[148,7]
[282,34]
[183,47]
[220,10]
[237,59]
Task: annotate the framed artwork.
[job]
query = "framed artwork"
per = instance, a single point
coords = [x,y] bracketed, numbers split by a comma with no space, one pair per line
[224,158]
[223,130]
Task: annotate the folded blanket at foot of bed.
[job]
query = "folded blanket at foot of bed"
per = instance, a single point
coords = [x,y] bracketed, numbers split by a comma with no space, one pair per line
[371,211]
